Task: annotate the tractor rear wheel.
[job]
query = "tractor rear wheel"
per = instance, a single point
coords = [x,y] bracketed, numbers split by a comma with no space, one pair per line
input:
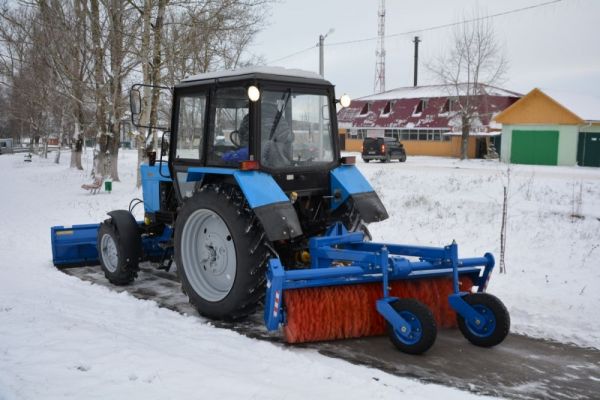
[220,253]
[119,263]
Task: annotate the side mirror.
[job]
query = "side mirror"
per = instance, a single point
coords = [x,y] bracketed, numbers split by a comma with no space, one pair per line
[141,99]
[165,142]
[135,103]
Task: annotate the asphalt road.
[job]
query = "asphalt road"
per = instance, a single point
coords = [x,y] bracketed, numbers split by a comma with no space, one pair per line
[520,368]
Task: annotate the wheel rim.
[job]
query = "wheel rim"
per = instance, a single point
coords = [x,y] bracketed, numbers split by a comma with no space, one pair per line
[416,329]
[208,255]
[110,256]
[483,330]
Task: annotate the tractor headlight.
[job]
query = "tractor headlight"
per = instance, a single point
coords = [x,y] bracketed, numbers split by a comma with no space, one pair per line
[253,93]
[345,100]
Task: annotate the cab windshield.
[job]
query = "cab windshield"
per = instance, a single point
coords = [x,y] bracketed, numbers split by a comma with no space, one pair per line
[295,129]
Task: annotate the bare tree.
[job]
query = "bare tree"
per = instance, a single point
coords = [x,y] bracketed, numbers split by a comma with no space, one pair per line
[63,64]
[474,60]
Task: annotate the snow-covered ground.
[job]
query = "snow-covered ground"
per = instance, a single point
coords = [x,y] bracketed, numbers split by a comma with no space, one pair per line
[62,337]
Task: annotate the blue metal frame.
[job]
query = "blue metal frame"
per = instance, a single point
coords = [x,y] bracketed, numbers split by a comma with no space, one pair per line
[374,262]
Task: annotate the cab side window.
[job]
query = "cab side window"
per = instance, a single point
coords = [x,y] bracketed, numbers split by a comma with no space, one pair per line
[229,133]
[190,126]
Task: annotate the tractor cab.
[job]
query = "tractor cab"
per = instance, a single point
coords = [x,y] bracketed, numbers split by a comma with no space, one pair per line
[269,133]
[279,121]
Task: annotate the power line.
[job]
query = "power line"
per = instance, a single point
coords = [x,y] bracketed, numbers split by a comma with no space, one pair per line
[293,54]
[449,25]
[431,28]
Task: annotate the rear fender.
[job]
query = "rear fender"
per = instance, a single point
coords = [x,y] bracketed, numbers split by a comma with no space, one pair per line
[270,204]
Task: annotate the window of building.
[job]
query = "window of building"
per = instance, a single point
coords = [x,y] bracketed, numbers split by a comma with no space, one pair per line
[446,107]
[449,105]
[366,109]
[387,109]
[420,107]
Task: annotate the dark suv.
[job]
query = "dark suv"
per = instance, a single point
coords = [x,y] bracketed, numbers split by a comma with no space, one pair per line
[384,149]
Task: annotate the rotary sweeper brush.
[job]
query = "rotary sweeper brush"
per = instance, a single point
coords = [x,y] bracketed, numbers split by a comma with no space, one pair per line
[256,206]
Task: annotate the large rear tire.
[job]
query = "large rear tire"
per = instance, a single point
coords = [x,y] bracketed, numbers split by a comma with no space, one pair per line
[220,253]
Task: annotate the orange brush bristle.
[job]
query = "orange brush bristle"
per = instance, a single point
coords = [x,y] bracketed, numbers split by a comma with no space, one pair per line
[342,312]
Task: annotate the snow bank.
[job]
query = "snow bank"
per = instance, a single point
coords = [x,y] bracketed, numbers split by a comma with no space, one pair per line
[64,338]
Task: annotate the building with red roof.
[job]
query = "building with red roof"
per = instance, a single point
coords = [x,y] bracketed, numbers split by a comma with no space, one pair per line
[425,119]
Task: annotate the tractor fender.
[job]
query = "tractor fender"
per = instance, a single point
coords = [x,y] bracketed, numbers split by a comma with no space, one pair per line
[271,206]
[347,183]
[128,232]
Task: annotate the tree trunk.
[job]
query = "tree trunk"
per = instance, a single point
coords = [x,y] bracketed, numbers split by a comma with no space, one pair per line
[156,64]
[464,148]
[60,138]
[102,137]
[139,140]
[73,163]
[116,61]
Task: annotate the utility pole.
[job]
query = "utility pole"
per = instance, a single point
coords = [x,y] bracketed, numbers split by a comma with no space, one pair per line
[416,41]
[321,61]
[321,44]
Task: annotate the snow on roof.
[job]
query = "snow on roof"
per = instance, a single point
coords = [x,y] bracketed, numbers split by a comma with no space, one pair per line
[584,106]
[429,91]
[298,73]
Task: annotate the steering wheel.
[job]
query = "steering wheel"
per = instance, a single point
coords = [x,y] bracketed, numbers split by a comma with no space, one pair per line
[236,139]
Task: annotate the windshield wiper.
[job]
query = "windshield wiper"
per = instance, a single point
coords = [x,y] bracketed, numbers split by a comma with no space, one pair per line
[285,98]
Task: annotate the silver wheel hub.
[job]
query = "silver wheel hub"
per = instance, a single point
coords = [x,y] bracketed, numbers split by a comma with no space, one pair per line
[108,249]
[208,255]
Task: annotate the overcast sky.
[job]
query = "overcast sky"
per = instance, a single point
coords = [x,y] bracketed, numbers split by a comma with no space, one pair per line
[556,46]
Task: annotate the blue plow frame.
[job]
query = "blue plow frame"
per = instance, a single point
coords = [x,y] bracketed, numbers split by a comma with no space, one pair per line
[76,245]
[343,258]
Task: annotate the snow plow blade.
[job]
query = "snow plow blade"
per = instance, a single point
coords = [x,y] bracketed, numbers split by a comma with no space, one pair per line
[76,246]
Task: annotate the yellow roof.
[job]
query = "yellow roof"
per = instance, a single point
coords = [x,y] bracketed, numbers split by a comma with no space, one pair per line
[536,107]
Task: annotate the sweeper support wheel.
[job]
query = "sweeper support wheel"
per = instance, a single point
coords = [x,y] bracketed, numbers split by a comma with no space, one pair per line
[423,329]
[493,329]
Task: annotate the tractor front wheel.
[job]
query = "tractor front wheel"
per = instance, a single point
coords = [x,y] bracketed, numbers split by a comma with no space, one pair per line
[220,254]
[119,263]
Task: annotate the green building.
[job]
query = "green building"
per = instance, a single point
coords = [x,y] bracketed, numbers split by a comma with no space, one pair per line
[551,129]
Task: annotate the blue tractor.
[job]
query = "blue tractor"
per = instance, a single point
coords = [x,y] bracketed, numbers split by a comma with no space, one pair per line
[256,207]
